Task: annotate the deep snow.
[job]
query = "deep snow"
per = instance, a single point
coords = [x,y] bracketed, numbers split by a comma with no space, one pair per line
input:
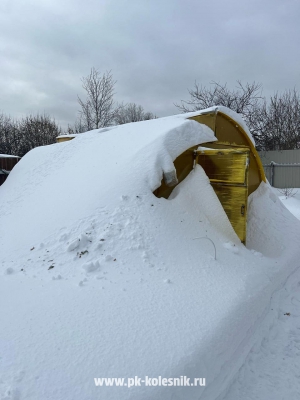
[271,369]
[99,278]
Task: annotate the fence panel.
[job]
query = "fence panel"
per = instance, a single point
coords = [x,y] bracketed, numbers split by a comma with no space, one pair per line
[282,167]
[283,175]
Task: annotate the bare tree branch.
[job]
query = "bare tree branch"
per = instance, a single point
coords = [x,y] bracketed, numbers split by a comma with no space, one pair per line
[242,99]
[276,124]
[97,110]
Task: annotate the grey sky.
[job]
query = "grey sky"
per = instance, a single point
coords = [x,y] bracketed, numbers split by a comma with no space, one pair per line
[155,49]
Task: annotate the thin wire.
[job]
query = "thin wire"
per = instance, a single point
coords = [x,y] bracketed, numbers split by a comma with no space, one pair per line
[204,237]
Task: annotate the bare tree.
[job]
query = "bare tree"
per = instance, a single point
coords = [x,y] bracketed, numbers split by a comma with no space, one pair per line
[132,113]
[97,110]
[9,135]
[276,124]
[36,130]
[244,99]
[78,127]
[18,137]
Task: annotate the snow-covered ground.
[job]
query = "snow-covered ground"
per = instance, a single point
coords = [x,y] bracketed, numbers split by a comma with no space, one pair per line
[291,199]
[101,279]
[271,370]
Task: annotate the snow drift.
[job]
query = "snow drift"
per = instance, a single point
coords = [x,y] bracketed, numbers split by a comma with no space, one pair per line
[102,279]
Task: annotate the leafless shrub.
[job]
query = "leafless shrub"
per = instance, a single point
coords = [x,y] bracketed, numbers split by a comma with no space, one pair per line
[288,192]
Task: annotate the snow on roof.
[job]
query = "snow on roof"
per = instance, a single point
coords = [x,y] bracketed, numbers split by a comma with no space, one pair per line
[67,136]
[69,180]
[8,156]
[101,279]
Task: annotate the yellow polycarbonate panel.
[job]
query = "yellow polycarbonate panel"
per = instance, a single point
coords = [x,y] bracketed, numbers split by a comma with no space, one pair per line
[64,139]
[208,119]
[234,202]
[227,170]
[224,165]
[232,165]
[230,133]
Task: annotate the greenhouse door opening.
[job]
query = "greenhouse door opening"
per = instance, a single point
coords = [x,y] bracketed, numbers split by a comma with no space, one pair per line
[227,170]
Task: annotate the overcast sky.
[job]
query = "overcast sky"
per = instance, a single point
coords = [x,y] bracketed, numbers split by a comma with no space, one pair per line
[156,50]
